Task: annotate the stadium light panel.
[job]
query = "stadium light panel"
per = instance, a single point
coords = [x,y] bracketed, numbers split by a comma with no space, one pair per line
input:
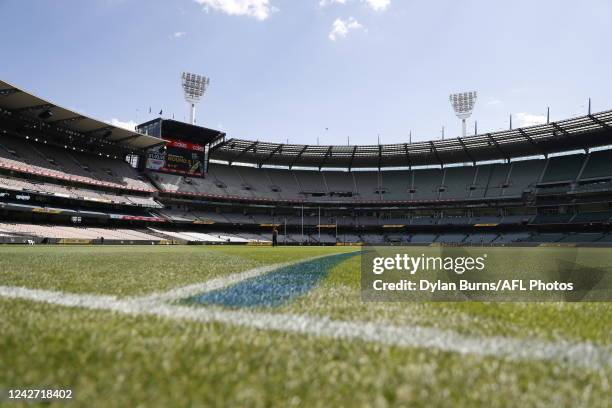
[463,104]
[194,87]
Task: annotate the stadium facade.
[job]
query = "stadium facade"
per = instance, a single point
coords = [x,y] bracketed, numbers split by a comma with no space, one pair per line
[68,178]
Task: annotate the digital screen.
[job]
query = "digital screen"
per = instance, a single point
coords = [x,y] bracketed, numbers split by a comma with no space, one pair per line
[178,157]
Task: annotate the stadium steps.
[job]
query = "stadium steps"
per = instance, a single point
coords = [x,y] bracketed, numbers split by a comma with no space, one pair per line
[297,182]
[278,194]
[442,183]
[51,161]
[585,163]
[354,183]
[325,186]
[541,177]
[488,184]
[243,182]
[473,184]
[80,165]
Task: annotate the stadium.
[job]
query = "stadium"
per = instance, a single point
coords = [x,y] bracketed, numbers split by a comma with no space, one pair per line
[67,178]
[328,230]
[114,215]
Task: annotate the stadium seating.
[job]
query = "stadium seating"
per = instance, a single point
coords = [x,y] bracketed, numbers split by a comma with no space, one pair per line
[454,220]
[365,205]
[606,238]
[485,238]
[599,164]
[63,232]
[253,181]
[368,185]
[497,182]
[457,182]
[592,217]
[509,237]
[451,238]
[563,168]
[544,237]
[29,186]
[339,183]
[582,237]
[523,176]
[211,237]
[396,184]
[310,182]
[489,181]
[62,163]
[427,183]
[516,219]
[494,220]
[594,185]
[552,219]
[423,238]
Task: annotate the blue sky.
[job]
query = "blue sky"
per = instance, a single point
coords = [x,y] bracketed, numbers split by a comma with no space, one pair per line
[287,69]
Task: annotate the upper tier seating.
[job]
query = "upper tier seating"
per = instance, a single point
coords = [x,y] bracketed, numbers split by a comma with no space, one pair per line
[396,184]
[497,180]
[368,185]
[563,168]
[56,162]
[457,182]
[489,181]
[523,176]
[598,165]
[338,182]
[427,183]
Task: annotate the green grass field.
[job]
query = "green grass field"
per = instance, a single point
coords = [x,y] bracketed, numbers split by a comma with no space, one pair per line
[113,353]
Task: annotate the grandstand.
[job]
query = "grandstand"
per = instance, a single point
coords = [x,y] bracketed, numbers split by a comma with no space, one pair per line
[65,177]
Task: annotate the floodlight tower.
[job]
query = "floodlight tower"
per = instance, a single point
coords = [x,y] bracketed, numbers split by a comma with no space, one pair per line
[194,86]
[463,104]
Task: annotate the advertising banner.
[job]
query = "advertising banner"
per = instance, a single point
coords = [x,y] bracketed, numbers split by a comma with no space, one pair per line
[178,157]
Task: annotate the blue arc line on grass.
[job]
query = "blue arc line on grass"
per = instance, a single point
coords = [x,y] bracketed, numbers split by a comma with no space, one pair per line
[274,288]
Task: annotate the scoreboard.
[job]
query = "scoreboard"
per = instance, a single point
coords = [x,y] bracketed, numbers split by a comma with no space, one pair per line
[186,148]
[178,157]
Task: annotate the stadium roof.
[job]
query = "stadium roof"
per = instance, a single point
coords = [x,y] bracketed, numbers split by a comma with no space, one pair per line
[572,134]
[186,132]
[16,100]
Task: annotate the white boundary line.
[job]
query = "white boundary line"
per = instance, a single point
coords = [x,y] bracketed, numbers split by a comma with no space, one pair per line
[586,355]
[211,285]
[220,283]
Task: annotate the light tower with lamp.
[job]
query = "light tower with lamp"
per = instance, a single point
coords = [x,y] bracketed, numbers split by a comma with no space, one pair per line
[194,86]
[463,104]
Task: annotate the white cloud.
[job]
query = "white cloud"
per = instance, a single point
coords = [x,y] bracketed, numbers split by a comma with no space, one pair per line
[493,102]
[523,119]
[376,5]
[341,28]
[325,3]
[129,125]
[178,34]
[259,9]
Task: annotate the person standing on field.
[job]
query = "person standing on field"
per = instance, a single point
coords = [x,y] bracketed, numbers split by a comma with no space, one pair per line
[274,237]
